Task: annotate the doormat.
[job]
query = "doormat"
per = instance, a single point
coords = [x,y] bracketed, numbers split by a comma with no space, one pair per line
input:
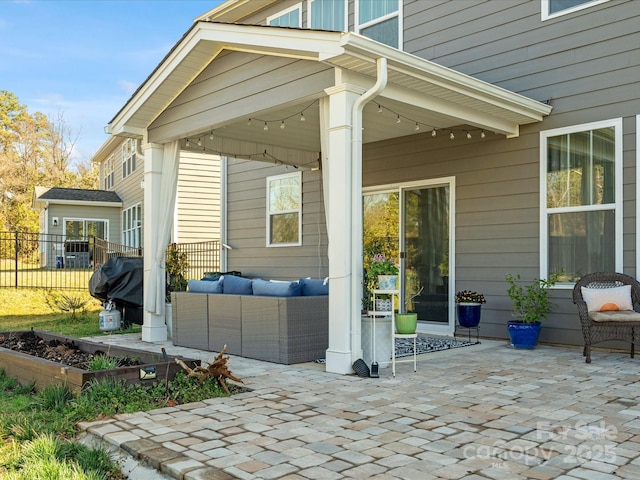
[404,346]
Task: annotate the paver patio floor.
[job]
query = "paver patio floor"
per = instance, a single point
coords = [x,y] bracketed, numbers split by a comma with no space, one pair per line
[485,411]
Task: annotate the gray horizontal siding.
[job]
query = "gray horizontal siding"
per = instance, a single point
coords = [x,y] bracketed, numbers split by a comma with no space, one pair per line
[267,81]
[246,226]
[587,66]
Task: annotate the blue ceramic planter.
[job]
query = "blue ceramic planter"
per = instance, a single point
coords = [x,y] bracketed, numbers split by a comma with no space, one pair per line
[468,314]
[524,335]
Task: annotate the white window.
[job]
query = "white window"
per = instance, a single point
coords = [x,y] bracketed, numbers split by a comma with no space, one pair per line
[128,157]
[83,228]
[380,20]
[291,17]
[556,8]
[581,199]
[328,15]
[132,226]
[284,210]
[108,173]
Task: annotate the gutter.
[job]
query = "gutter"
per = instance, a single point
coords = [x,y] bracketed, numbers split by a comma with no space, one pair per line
[356,200]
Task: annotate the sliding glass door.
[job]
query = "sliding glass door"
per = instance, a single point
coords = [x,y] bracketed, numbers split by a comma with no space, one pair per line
[425,252]
[411,224]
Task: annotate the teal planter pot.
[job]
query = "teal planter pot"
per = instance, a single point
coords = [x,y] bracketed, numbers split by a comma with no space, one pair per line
[468,314]
[524,335]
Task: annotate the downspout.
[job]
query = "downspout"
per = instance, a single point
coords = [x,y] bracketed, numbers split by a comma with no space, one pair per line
[356,203]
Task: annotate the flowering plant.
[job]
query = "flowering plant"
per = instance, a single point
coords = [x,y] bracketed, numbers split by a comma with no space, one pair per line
[467,296]
[380,265]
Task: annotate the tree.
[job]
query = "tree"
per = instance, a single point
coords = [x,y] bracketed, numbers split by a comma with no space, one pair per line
[34,150]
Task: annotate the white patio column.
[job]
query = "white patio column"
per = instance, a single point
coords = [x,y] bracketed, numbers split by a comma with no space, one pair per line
[344,329]
[154,328]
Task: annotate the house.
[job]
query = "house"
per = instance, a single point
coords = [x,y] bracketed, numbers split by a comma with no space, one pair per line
[71,215]
[115,213]
[503,133]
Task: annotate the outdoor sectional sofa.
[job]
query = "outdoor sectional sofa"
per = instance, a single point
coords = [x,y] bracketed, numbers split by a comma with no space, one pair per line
[280,322]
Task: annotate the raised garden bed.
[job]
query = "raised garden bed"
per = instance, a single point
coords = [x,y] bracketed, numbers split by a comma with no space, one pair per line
[137,366]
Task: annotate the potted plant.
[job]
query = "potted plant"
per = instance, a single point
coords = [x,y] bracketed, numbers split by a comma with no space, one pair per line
[407,320]
[531,305]
[468,307]
[176,266]
[383,273]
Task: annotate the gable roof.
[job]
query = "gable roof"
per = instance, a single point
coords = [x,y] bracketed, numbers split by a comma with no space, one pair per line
[478,102]
[74,196]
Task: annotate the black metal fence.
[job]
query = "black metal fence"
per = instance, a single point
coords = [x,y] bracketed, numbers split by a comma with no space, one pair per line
[201,257]
[37,260]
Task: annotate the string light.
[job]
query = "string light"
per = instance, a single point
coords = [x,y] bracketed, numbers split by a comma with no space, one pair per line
[418,124]
[260,156]
[380,108]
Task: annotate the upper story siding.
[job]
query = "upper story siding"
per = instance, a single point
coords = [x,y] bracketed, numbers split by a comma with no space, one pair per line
[129,189]
[585,63]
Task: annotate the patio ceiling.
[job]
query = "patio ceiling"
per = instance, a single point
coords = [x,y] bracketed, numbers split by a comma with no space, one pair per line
[418,92]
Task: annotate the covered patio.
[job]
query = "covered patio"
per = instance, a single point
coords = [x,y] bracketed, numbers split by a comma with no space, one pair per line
[305,98]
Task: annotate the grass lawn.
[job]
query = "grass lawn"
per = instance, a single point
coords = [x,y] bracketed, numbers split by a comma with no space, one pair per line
[24,309]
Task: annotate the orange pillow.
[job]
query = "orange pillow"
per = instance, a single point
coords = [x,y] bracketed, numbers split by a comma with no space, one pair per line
[609,307]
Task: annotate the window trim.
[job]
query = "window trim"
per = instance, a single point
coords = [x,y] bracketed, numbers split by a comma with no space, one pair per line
[345,26]
[129,168]
[544,9]
[298,211]
[617,205]
[109,172]
[637,166]
[138,228]
[84,220]
[281,13]
[358,27]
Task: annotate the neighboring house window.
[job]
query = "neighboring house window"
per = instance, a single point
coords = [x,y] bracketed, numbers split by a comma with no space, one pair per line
[109,172]
[284,209]
[128,157]
[291,17]
[379,20]
[132,226]
[328,15]
[555,8]
[581,201]
[83,228]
